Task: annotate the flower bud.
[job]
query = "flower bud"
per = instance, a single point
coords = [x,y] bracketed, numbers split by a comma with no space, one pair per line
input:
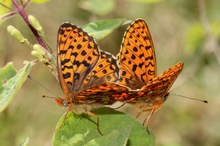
[39,49]
[37,55]
[36,24]
[16,34]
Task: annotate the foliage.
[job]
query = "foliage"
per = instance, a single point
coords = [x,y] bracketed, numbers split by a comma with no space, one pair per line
[10,82]
[180,30]
[85,131]
[113,128]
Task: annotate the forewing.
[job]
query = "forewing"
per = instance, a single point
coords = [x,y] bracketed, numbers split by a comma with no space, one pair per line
[77,55]
[137,60]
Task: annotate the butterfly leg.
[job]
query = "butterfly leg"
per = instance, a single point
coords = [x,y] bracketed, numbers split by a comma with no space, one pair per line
[98,128]
[146,120]
[97,123]
[138,115]
[92,114]
[63,121]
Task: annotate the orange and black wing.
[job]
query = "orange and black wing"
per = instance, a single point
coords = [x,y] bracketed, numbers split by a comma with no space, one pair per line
[77,55]
[152,96]
[137,60]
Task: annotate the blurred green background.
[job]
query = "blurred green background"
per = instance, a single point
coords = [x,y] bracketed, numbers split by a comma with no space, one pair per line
[187,31]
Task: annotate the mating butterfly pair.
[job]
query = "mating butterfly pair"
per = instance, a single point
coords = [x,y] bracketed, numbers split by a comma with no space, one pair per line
[91,77]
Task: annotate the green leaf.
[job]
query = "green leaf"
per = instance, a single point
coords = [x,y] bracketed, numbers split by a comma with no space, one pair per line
[215,28]
[39,1]
[194,38]
[116,137]
[25,143]
[147,1]
[98,7]
[7,72]
[77,130]
[10,82]
[4,10]
[100,29]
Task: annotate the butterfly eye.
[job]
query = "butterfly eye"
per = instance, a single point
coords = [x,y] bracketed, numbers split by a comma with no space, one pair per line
[65,103]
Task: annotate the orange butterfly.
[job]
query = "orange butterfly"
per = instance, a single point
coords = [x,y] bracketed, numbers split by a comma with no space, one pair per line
[137,70]
[91,77]
[84,71]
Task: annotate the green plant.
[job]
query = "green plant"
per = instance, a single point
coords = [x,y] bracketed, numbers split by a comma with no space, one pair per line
[113,128]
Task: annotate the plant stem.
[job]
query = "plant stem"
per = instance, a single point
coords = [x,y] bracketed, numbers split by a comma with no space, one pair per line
[21,11]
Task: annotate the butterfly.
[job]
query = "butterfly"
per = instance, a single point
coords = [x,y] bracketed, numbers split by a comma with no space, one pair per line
[137,70]
[84,71]
[91,77]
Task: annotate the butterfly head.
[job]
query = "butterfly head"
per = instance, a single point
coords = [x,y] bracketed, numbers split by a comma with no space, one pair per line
[62,102]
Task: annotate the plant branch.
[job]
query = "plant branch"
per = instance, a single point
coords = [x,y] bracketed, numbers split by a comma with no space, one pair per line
[26,3]
[6,6]
[8,15]
[20,9]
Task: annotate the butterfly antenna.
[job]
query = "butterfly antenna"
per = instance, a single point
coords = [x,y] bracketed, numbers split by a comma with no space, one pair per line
[201,100]
[44,88]
[45,96]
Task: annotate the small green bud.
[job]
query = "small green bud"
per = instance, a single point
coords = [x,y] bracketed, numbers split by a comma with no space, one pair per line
[36,24]
[16,34]
[39,49]
[37,55]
